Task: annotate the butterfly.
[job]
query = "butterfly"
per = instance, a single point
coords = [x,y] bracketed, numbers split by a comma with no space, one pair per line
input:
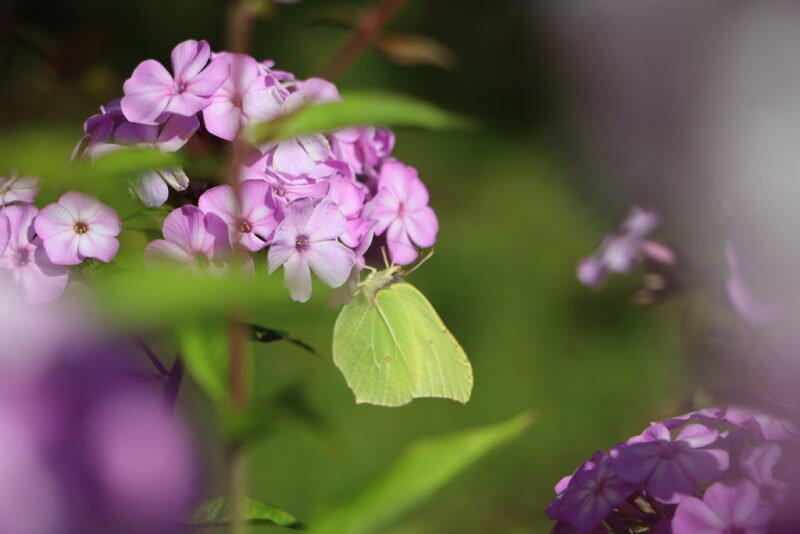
[392,346]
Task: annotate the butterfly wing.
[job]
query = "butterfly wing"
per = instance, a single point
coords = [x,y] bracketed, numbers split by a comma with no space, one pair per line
[393,347]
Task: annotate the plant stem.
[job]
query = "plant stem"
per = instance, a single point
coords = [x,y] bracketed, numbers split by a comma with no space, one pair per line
[237,462]
[241,20]
[152,356]
[173,384]
[368,27]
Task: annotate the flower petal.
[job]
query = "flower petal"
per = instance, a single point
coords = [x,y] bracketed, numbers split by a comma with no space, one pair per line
[162,251]
[151,189]
[297,277]
[95,245]
[326,222]
[188,58]
[147,92]
[331,262]
[207,82]
[62,248]
[220,200]
[290,157]
[278,255]
[422,227]
[693,516]
[176,132]
[401,250]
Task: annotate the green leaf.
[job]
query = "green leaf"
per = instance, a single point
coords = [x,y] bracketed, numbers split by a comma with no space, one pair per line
[215,512]
[419,472]
[153,297]
[392,347]
[262,334]
[204,349]
[357,109]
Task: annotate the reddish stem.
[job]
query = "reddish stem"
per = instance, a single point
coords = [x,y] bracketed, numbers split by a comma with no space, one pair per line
[369,26]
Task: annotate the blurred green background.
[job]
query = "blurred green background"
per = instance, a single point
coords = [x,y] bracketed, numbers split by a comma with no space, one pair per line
[514,216]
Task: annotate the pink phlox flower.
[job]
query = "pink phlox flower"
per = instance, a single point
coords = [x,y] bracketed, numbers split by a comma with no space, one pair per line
[192,238]
[251,218]
[401,209]
[20,189]
[77,227]
[300,155]
[306,240]
[25,258]
[152,90]
[248,93]
[364,148]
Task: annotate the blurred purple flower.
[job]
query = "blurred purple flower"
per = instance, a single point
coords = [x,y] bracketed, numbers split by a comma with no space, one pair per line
[25,258]
[152,90]
[401,209]
[142,456]
[307,239]
[625,248]
[78,227]
[670,469]
[741,296]
[758,464]
[724,509]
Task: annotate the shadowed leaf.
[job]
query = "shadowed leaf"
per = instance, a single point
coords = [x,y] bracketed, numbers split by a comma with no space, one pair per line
[357,109]
[422,469]
[215,512]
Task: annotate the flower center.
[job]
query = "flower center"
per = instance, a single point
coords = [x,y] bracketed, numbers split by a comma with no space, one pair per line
[245,227]
[81,227]
[301,242]
[401,210]
[180,88]
[201,260]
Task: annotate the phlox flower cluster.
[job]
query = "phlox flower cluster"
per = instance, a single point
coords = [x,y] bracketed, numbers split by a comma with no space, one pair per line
[316,202]
[626,248]
[37,247]
[716,471]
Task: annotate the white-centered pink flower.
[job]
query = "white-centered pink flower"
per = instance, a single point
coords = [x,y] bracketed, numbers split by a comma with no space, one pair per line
[306,240]
[77,227]
[152,90]
[24,257]
[251,218]
[402,211]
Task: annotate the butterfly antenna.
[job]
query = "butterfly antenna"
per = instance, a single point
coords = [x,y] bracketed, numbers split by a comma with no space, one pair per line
[422,260]
[385,258]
